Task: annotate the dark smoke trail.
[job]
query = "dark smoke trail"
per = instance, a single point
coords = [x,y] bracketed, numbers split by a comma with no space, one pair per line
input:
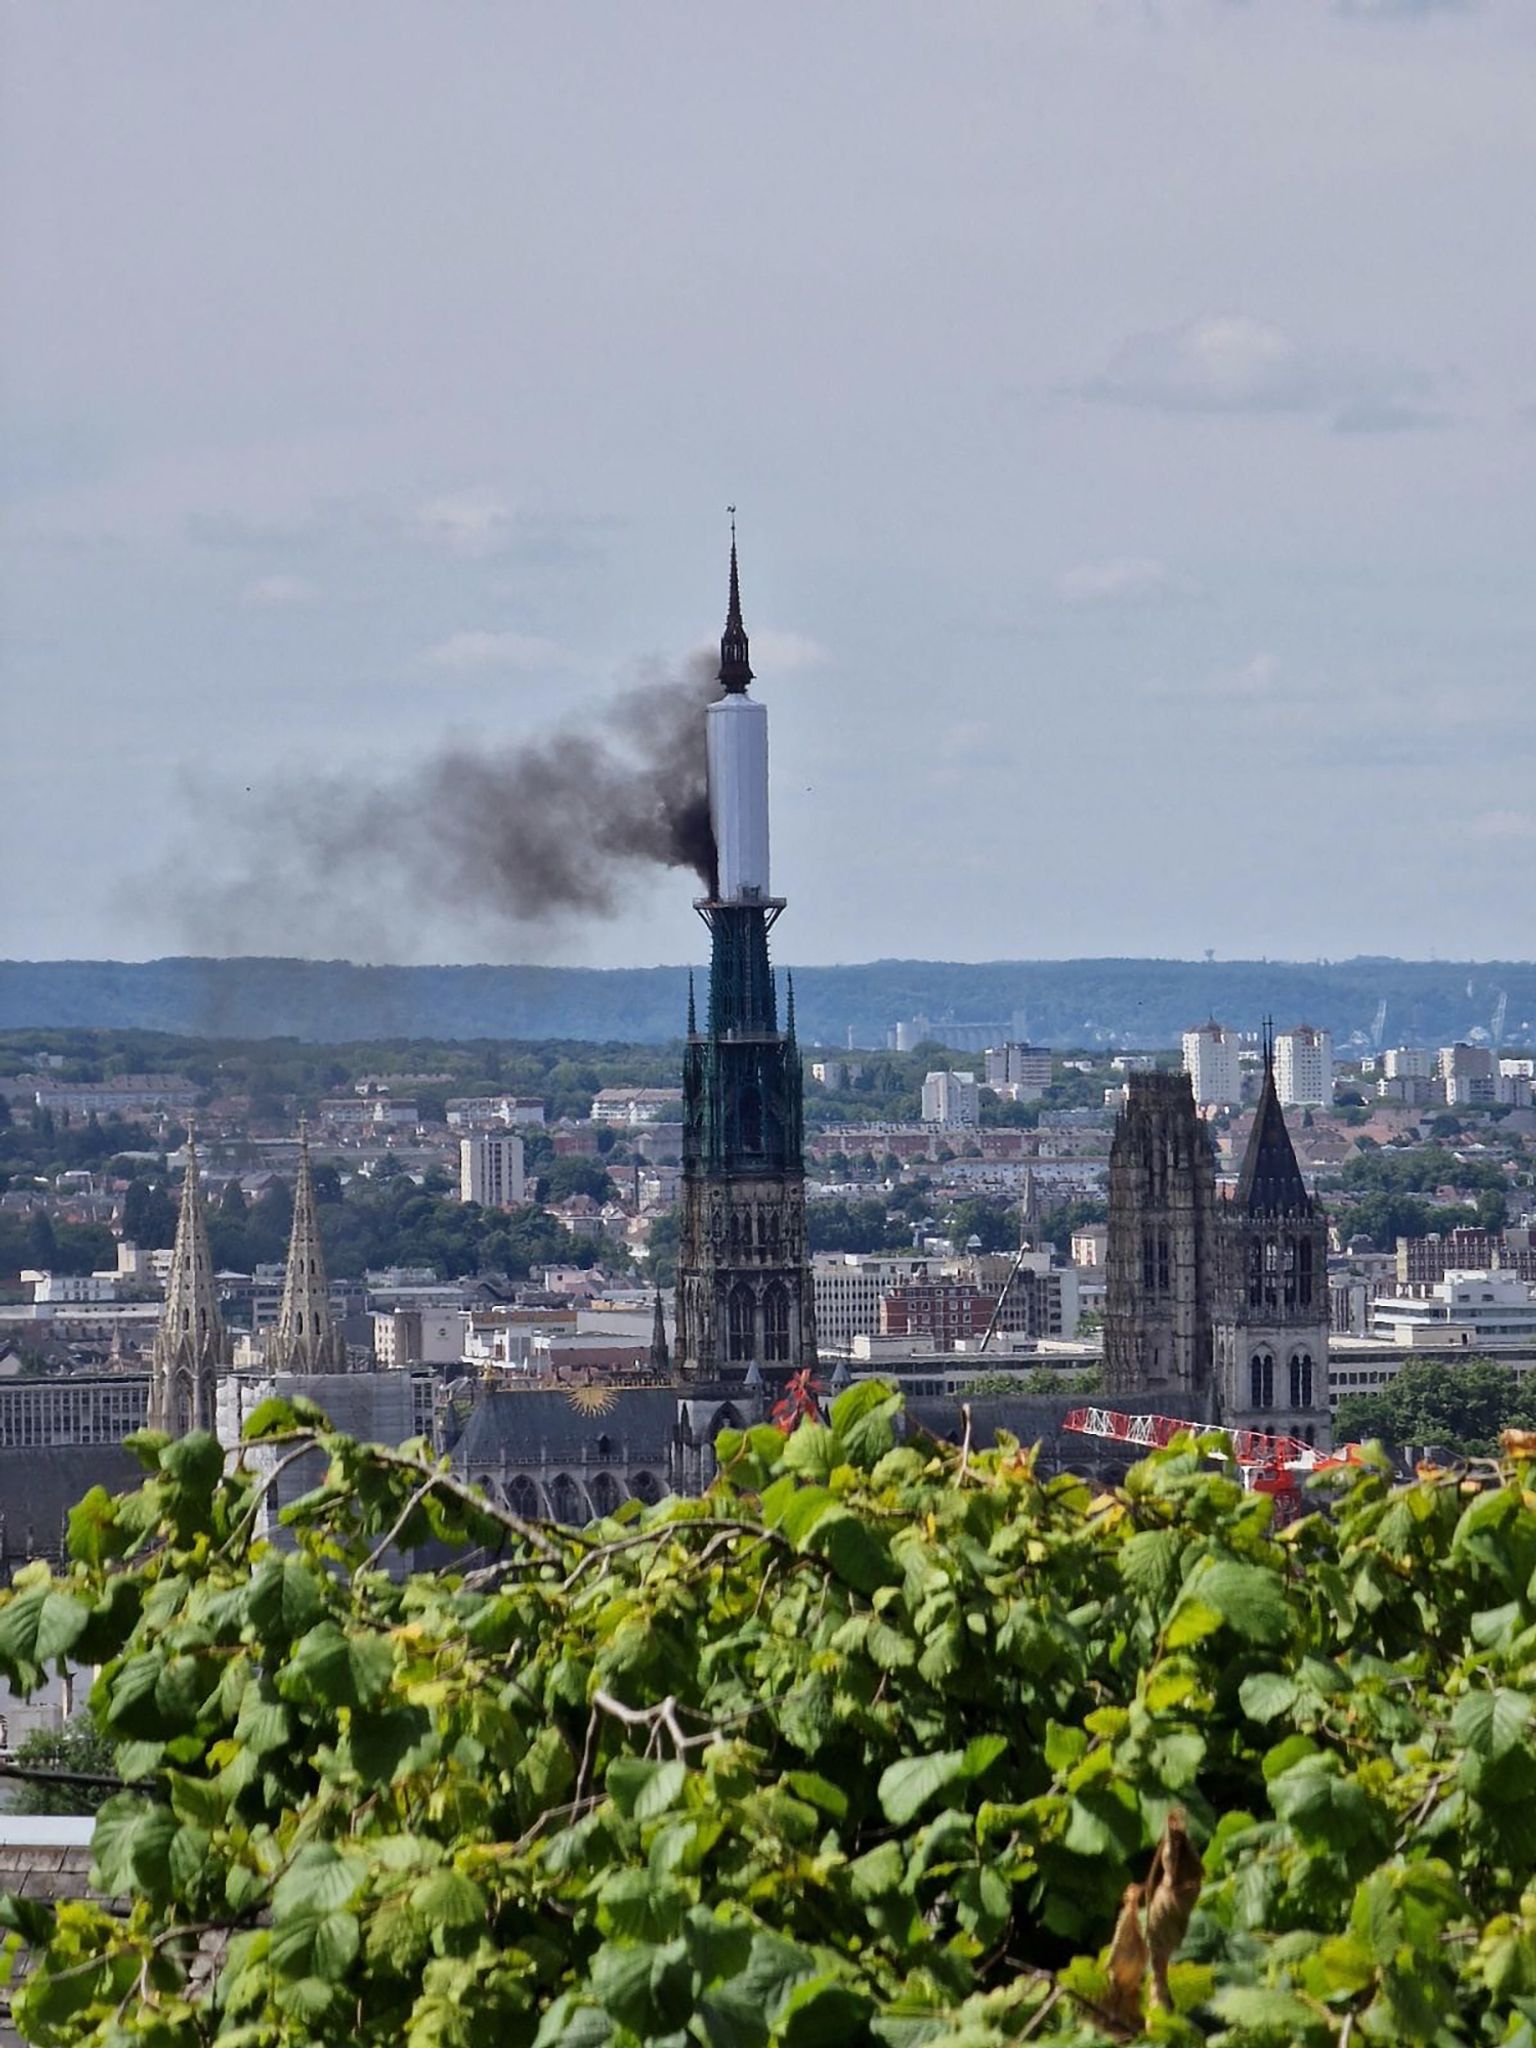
[523,834]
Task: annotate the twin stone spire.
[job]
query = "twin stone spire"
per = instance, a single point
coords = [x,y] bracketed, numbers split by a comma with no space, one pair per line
[191,1344]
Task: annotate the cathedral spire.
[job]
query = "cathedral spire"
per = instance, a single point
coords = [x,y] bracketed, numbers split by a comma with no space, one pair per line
[189,1345]
[735,667]
[1270,1183]
[307,1337]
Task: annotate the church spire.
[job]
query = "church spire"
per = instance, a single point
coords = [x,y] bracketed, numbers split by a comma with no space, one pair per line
[190,1344]
[1270,1183]
[307,1338]
[735,667]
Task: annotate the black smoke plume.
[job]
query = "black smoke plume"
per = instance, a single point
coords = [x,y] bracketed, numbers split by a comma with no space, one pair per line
[513,834]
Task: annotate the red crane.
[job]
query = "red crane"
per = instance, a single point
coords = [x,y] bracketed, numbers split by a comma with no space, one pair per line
[1269,1463]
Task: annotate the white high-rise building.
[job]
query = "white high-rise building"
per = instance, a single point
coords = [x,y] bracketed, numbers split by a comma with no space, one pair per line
[1304,1067]
[952,1101]
[1407,1063]
[1023,1069]
[491,1170]
[1210,1060]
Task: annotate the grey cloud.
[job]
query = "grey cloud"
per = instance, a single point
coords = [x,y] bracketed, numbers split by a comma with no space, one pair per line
[1234,364]
[1401,10]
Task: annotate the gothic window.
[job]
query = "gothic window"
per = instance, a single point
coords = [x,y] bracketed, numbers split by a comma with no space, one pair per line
[604,1447]
[1271,1273]
[565,1500]
[523,1497]
[1255,1274]
[751,1113]
[1148,1261]
[1261,1380]
[776,1324]
[644,1487]
[1164,1281]
[739,1322]
[605,1493]
[1304,1271]
[1290,1272]
[1301,1379]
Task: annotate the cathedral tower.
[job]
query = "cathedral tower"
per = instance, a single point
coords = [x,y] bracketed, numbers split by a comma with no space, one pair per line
[1162,1244]
[307,1337]
[744,1294]
[1271,1327]
[190,1344]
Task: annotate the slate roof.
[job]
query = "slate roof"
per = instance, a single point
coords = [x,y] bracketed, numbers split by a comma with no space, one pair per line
[1270,1183]
[564,1424]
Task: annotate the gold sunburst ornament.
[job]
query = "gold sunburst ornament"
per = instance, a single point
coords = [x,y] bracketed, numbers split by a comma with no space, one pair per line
[593,1400]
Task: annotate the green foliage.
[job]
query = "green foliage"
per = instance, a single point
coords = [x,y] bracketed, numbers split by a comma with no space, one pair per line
[995,1223]
[843,1226]
[1461,1407]
[563,1178]
[78,1748]
[863,1747]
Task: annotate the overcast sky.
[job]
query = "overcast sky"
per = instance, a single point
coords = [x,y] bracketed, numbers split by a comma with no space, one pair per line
[1131,405]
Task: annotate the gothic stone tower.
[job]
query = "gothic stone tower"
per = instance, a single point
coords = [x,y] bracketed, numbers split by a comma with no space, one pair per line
[744,1294]
[190,1344]
[1162,1243]
[1271,1325]
[308,1337]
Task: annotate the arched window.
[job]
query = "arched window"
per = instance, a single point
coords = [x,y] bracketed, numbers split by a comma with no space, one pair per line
[1148,1261]
[1261,1380]
[1271,1273]
[1164,1271]
[605,1493]
[776,1324]
[1301,1379]
[523,1497]
[1255,1274]
[1304,1271]
[566,1501]
[739,1344]
[645,1486]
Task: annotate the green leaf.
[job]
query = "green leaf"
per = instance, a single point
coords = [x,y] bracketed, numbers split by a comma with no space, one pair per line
[94,1534]
[1266,1695]
[1275,2019]
[131,1847]
[315,1945]
[60,1624]
[447,1898]
[819,1792]
[877,1872]
[285,1599]
[195,1461]
[641,1787]
[1491,1724]
[863,1418]
[1151,1562]
[910,1785]
[858,1556]
[1193,1620]
[319,1879]
[1250,1600]
[338,1668]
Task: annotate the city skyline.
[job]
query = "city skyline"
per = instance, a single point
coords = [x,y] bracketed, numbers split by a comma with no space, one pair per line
[1129,409]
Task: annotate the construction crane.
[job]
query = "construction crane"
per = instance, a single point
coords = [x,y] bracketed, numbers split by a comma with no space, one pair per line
[1270,1464]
